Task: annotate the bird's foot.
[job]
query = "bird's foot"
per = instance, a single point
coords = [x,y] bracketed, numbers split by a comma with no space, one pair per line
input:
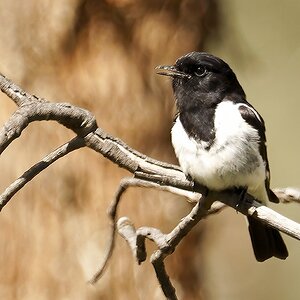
[197,186]
[242,193]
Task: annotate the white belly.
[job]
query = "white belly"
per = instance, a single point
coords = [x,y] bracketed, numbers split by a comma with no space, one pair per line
[233,160]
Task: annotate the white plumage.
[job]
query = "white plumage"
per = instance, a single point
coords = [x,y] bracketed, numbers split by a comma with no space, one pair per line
[233,160]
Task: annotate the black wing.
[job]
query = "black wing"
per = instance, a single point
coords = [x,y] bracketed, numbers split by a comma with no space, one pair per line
[253,118]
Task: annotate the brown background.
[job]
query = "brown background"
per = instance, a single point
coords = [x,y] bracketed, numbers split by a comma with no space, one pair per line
[100,55]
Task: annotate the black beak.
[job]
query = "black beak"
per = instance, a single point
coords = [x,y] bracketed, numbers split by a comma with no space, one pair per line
[171,71]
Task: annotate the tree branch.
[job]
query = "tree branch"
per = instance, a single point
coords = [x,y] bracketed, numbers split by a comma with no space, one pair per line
[27,176]
[147,173]
[167,243]
[112,212]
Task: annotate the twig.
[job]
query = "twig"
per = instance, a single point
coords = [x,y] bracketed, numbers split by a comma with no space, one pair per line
[157,260]
[166,243]
[112,212]
[172,240]
[288,195]
[27,176]
[32,108]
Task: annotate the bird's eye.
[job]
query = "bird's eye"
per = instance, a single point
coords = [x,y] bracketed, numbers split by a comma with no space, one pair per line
[201,71]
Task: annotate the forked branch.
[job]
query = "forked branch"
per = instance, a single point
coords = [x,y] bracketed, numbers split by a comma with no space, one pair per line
[147,172]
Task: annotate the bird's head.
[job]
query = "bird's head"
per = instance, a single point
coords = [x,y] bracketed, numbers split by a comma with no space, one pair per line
[201,78]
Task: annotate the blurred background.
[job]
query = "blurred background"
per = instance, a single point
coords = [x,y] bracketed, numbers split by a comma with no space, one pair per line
[100,55]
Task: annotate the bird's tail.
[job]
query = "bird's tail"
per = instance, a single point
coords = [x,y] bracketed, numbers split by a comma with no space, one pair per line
[266,241]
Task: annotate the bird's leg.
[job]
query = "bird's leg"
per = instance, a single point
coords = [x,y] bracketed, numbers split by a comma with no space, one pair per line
[204,191]
[197,186]
[242,193]
[189,177]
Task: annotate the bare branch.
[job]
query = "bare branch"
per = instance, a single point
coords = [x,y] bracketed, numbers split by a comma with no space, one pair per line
[288,195]
[60,152]
[157,260]
[147,173]
[166,243]
[32,108]
[112,212]
[136,241]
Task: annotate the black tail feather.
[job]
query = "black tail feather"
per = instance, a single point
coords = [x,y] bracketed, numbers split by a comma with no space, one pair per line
[266,241]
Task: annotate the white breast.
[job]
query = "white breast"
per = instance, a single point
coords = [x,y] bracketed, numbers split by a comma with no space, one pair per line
[232,160]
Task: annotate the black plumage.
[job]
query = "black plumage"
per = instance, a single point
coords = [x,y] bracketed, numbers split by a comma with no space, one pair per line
[219,138]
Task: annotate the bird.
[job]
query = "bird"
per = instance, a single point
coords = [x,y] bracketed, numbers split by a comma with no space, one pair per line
[219,138]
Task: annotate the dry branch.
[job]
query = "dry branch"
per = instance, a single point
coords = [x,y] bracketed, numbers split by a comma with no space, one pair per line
[147,173]
[28,175]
